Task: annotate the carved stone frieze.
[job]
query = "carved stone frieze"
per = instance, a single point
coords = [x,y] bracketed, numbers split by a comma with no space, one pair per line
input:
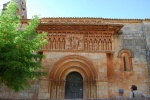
[79,37]
[74,41]
[80,41]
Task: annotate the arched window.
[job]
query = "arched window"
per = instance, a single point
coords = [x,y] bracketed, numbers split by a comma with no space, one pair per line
[126,60]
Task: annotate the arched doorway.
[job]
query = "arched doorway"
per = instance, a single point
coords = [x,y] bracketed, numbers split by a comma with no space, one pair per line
[74,86]
[73,66]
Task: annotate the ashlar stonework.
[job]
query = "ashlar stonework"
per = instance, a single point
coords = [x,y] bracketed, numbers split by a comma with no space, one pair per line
[107,53]
[90,58]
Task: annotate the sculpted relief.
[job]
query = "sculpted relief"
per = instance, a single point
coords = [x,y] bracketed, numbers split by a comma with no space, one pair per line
[88,42]
[74,41]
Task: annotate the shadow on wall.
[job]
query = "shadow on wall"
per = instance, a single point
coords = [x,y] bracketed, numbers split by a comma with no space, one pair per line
[148,60]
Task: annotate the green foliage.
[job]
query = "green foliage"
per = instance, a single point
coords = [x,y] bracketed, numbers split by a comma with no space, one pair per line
[19,61]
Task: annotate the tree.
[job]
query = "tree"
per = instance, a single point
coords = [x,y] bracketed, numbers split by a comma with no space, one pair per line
[19,61]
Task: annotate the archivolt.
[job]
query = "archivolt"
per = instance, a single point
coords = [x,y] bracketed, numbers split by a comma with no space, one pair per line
[73,63]
[125,51]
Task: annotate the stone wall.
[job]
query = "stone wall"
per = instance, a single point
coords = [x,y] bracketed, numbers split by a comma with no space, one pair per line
[28,93]
[147,39]
[98,60]
[135,37]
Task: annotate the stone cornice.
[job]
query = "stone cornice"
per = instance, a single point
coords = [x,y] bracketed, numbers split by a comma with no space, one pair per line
[147,20]
[91,20]
[87,20]
[113,28]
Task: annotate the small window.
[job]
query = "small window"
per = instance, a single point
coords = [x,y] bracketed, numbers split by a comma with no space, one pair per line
[125,60]
[124,63]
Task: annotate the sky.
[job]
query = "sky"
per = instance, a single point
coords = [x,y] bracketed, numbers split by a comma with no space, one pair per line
[120,9]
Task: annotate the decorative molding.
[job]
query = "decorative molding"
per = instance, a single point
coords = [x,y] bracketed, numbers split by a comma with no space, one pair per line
[88,20]
[79,41]
[79,63]
[125,51]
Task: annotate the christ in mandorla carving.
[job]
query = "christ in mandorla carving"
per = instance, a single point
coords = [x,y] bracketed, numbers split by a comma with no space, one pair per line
[74,41]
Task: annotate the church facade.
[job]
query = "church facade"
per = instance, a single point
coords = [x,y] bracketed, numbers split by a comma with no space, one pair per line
[93,57]
[90,58]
